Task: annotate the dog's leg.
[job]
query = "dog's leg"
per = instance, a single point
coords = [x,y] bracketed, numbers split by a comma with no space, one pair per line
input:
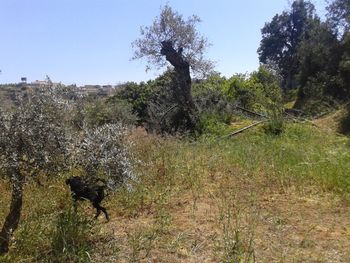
[75,203]
[105,212]
[100,208]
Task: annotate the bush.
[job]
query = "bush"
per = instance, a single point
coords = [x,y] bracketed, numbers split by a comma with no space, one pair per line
[275,125]
[105,150]
[137,96]
[215,108]
[102,112]
[216,124]
[319,95]
[211,100]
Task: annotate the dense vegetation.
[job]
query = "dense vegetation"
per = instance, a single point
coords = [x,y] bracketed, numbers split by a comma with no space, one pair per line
[310,55]
[182,186]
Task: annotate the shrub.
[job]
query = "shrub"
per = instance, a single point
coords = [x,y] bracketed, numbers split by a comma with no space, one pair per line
[100,112]
[275,125]
[320,94]
[216,124]
[105,150]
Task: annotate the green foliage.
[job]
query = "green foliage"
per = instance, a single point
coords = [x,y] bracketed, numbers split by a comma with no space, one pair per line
[237,89]
[289,97]
[276,123]
[267,89]
[211,100]
[319,55]
[315,99]
[300,156]
[33,235]
[310,55]
[138,96]
[258,91]
[281,38]
[70,238]
[234,83]
[217,97]
[214,106]
[317,52]
[215,124]
[339,15]
[100,112]
[210,90]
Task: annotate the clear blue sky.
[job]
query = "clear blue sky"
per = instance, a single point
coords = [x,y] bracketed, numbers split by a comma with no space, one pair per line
[89,41]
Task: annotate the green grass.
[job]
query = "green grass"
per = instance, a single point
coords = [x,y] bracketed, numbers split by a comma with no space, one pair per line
[301,156]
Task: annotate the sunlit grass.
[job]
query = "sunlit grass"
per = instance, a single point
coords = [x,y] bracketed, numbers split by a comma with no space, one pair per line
[229,175]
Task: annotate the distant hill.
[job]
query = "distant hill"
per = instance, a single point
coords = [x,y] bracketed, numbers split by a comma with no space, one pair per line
[10,92]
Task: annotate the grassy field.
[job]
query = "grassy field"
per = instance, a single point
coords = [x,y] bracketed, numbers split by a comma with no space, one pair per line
[251,198]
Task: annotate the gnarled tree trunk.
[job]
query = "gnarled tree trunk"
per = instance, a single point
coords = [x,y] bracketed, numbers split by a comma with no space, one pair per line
[182,88]
[12,219]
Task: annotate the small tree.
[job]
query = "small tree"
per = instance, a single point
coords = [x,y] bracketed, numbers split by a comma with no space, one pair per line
[172,39]
[32,140]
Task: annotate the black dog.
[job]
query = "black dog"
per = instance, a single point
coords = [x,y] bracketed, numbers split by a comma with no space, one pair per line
[83,189]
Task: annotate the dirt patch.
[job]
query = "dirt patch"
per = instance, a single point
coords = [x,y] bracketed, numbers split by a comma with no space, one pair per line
[287,227]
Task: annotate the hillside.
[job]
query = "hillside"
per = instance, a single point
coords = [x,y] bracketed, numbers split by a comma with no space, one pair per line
[250,198]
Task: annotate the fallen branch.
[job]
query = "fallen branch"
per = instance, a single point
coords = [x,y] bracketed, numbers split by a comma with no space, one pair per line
[300,119]
[243,129]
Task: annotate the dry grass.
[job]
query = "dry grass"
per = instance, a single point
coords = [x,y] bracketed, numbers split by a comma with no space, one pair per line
[331,122]
[219,201]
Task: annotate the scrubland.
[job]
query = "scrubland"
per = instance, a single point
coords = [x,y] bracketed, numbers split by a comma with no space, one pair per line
[250,198]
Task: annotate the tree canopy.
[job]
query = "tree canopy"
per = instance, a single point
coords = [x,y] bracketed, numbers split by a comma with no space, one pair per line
[171,29]
[339,15]
[281,38]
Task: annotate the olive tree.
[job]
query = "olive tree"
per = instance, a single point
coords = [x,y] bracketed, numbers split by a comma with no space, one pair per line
[175,40]
[38,137]
[32,140]
[104,149]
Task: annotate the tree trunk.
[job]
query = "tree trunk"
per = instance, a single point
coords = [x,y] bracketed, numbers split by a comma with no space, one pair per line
[12,219]
[183,86]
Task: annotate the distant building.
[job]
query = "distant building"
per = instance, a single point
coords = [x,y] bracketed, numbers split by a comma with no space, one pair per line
[23,80]
[96,90]
[40,83]
[43,83]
